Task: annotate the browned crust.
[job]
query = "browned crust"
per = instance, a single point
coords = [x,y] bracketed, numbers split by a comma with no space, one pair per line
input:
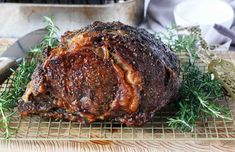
[106,71]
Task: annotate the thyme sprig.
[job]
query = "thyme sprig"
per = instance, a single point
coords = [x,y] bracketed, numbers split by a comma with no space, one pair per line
[10,95]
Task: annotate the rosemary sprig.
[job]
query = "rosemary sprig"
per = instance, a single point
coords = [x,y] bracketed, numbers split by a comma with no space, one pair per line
[51,38]
[10,96]
[181,42]
[199,91]
[20,79]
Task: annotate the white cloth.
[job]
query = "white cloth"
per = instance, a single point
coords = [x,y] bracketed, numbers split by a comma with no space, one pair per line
[160,15]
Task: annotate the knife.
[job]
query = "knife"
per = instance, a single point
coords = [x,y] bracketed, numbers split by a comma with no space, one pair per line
[12,56]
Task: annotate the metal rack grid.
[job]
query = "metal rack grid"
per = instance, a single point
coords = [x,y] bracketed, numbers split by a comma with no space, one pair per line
[207,128]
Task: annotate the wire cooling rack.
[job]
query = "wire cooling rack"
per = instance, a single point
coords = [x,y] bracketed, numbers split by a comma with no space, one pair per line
[207,128]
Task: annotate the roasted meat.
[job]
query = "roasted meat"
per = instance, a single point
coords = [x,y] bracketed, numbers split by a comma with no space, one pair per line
[103,72]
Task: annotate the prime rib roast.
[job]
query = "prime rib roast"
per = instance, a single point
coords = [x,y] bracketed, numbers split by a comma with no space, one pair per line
[103,72]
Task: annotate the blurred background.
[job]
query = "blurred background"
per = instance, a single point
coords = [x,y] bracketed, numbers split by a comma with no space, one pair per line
[19,17]
[215,17]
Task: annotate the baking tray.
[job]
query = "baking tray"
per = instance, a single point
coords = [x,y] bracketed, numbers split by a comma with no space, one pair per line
[30,15]
[207,128]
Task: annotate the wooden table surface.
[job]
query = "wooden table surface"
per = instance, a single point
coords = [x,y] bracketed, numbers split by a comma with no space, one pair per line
[106,146]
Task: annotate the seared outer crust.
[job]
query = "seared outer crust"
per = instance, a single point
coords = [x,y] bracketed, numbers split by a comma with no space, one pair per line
[106,71]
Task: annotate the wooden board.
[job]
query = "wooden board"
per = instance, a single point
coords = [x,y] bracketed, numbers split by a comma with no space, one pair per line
[118,146]
[125,146]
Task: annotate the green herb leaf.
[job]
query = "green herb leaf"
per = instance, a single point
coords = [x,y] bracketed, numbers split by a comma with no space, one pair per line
[198,94]
[10,95]
[199,91]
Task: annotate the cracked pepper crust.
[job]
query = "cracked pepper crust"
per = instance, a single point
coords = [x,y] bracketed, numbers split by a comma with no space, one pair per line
[105,71]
